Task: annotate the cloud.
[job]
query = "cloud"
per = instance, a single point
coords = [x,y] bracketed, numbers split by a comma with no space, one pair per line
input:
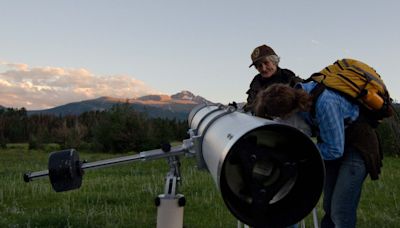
[315,42]
[46,87]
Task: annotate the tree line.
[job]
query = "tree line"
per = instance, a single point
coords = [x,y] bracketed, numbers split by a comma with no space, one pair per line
[122,129]
[389,133]
[119,129]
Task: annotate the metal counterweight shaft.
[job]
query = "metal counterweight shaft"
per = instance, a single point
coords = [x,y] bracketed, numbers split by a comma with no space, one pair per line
[142,156]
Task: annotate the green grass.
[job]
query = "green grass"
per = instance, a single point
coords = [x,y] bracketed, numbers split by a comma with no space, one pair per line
[123,196]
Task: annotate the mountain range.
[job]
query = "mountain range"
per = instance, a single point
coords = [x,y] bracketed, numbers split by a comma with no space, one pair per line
[163,106]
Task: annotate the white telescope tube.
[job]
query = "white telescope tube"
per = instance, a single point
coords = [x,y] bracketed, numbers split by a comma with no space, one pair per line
[269,174]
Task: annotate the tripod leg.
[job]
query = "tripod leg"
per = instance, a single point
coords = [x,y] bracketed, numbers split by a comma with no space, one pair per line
[315,217]
[170,211]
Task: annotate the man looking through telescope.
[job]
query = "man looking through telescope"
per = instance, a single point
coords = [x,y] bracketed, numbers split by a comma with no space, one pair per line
[337,122]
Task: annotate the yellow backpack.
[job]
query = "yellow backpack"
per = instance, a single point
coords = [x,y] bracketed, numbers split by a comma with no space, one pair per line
[358,81]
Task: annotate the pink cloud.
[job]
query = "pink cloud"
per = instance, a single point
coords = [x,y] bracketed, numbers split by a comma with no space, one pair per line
[45,87]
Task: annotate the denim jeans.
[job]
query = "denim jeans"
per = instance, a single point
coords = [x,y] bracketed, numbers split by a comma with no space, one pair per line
[342,190]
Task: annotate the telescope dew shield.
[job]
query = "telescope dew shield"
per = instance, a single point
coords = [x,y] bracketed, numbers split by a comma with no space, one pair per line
[269,174]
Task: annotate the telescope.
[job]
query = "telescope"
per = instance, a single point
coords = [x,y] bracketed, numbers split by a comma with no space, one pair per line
[269,174]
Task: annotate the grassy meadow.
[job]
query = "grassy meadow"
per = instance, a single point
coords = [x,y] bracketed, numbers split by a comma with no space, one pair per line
[123,196]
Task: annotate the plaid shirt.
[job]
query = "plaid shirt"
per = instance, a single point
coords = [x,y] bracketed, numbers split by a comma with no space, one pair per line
[333,113]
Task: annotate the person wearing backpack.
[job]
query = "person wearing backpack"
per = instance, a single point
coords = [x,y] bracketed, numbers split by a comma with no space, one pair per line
[266,62]
[340,130]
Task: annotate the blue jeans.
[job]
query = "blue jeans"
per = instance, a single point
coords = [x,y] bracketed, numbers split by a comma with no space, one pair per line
[342,190]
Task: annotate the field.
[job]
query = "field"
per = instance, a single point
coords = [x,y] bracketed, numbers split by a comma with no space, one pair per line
[123,196]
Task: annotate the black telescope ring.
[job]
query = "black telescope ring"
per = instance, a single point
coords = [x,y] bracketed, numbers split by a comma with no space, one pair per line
[219,108]
[194,111]
[227,111]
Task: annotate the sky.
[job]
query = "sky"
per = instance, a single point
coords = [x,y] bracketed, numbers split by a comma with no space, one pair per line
[56,52]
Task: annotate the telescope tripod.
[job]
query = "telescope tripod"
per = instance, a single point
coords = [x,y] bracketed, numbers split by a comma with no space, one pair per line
[170,205]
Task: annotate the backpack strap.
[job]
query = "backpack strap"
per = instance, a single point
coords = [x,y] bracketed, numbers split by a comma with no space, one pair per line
[315,93]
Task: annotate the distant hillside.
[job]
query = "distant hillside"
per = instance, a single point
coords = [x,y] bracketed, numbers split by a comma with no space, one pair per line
[163,106]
